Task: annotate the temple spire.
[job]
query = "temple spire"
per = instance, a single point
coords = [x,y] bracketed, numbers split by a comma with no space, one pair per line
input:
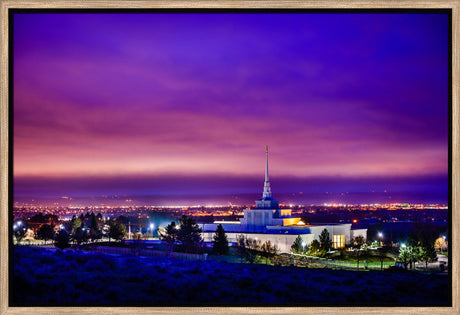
[267,190]
[266,164]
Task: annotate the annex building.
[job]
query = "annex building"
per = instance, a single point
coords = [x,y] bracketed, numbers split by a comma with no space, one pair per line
[267,222]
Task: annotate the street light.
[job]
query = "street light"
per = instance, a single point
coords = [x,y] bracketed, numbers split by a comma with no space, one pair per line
[444,244]
[380,237]
[151,228]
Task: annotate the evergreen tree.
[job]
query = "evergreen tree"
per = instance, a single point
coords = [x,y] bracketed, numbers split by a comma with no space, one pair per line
[82,219]
[241,247]
[325,241]
[62,240]
[170,236]
[45,232]
[99,218]
[296,247]
[93,226]
[189,234]
[220,242]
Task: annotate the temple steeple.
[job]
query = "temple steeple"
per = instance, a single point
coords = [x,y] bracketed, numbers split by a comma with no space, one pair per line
[267,201]
[267,190]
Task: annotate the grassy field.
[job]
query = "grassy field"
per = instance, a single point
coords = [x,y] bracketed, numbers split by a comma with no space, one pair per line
[55,277]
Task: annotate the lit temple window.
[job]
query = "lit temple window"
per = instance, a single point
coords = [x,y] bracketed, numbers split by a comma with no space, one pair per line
[338,241]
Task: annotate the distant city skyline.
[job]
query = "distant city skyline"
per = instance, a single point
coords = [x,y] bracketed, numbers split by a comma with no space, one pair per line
[183,104]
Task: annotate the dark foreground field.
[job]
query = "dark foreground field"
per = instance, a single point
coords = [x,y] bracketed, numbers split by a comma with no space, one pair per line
[74,278]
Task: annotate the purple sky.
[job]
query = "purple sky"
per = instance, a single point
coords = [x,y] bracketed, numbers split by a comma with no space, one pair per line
[352,100]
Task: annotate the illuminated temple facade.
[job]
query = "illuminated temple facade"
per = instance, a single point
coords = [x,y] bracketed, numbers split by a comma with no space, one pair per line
[267,222]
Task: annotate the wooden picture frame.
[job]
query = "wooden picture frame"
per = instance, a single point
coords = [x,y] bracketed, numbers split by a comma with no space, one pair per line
[7,5]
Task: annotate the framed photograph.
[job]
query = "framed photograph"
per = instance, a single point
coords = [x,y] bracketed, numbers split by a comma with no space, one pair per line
[229,157]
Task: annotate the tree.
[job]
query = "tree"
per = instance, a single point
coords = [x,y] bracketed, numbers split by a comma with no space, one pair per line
[241,247]
[82,219]
[297,247]
[62,240]
[45,232]
[382,251]
[404,255]
[76,223]
[189,234]
[93,226]
[269,250]
[424,233]
[358,252]
[80,235]
[314,248]
[220,241]
[325,241]
[428,254]
[117,230]
[170,236]
[247,249]
[359,240]
[99,218]
[49,218]
[253,246]
[440,243]
[414,254]
[409,255]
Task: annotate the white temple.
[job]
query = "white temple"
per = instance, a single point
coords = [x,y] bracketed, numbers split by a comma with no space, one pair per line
[268,222]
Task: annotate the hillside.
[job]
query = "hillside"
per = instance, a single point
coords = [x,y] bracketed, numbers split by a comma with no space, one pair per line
[75,278]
